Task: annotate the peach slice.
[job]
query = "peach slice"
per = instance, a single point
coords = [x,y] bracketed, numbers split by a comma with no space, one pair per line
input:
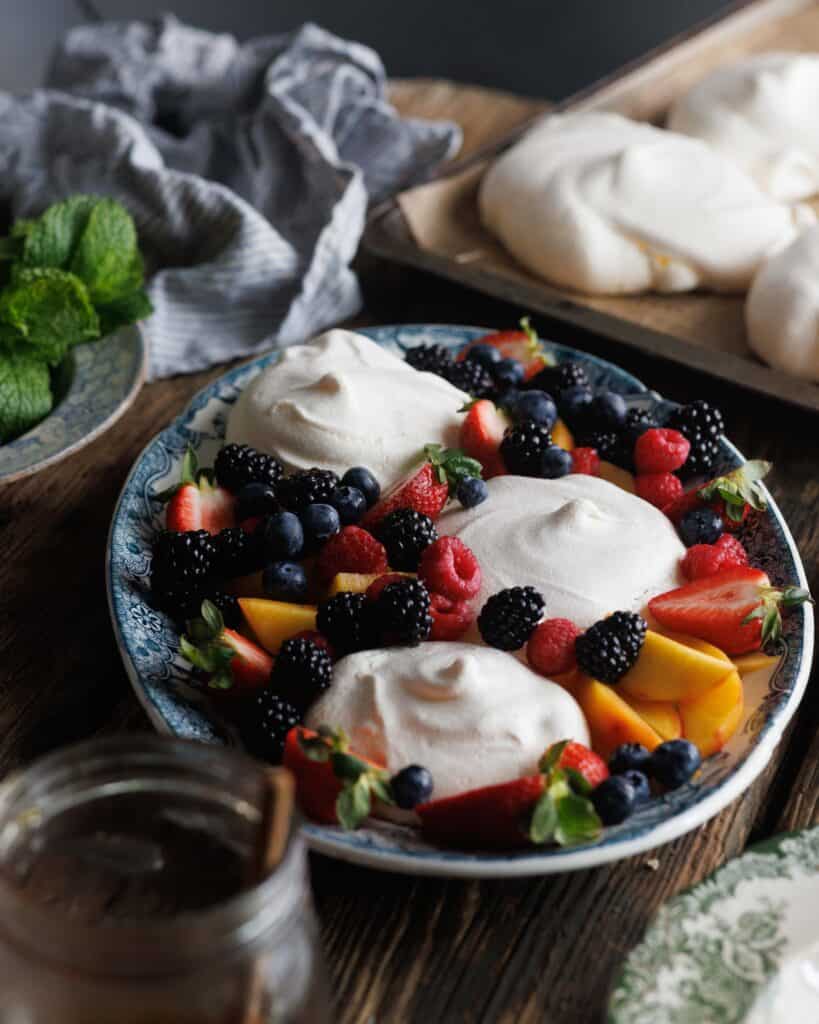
[352,582]
[670,671]
[610,720]
[562,436]
[619,477]
[711,719]
[273,622]
[747,663]
[663,717]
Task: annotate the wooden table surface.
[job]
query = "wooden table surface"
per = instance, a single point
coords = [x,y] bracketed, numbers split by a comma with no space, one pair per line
[401,949]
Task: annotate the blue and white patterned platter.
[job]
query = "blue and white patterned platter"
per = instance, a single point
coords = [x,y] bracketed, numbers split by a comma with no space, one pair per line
[149,645]
[94,386]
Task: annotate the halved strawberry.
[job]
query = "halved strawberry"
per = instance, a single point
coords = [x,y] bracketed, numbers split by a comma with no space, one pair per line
[197,502]
[494,816]
[737,609]
[523,345]
[230,660]
[334,785]
[481,434]
[427,488]
[733,496]
[574,755]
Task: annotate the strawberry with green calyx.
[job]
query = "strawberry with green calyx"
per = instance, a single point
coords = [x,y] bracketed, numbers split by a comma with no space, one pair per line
[482,432]
[564,814]
[428,488]
[197,502]
[769,614]
[333,784]
[230,660]
[522,345]
[732,496]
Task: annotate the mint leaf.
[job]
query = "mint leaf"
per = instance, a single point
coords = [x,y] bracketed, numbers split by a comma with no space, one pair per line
[25,393]
[107,256]
[577,821]
[127,309]
[50,309]
[51,239]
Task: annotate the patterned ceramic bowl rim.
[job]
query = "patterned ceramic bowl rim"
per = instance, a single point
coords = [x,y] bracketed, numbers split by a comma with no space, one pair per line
[148,645]
[106,377]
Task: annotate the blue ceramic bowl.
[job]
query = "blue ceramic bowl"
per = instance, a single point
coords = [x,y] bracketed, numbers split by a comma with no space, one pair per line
[149,645]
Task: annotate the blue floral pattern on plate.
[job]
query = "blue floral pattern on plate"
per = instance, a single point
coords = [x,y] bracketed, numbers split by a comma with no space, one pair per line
[149,644]
[102,379]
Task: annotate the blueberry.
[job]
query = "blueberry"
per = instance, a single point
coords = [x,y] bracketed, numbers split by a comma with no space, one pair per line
[350,504]
[285,581]
[508,398]
[609,410]
[629,757]
[363,480]
[487,355]
[674,762]
[508,373]
[319,522]
[472,491]
[537,406]
[282,536]
[575,405]
[639,783]
[614,799]
[411,786]
[554,462]
[700,526]
[255,499]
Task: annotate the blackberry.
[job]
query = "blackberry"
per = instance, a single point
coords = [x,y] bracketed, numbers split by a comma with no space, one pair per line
[182,560]
[430,359]
[637,422]
[702,424]
[611,446]
[302,672]
[523,446]
[181,602]
[608,649]
[238,464]
[472,378]
[267,723]
[348,622]
[307,487]
[555,379]
[509,617]
[406,534]
[237,553]
[228,606]
[402,612]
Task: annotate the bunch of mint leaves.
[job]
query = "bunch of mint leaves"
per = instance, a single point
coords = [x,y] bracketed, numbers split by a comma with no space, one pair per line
[69,276]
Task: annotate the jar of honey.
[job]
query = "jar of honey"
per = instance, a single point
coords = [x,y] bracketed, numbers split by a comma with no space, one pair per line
[132,891]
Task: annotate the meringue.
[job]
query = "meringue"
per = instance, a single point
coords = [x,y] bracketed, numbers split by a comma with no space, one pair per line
[342,400]
[761,113]
[473,716]
[589,547]
[782,309]
[602,204]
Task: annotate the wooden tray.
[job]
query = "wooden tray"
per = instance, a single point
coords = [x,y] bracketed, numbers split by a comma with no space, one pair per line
[436,226]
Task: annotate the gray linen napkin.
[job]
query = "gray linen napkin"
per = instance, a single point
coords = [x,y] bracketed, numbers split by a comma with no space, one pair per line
[248,169]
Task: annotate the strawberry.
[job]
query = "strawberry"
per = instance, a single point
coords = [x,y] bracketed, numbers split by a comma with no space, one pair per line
[197,502]
[580,759]
[481,434]
[708,559]
[426,489]
[523,345]
[333,784]
[733,495]
[230,660]
[494,816]
[737,609]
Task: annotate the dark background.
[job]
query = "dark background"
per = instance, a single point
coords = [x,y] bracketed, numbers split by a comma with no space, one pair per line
[547,48]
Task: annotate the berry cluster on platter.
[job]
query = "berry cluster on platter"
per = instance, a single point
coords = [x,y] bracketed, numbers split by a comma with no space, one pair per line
[317,567]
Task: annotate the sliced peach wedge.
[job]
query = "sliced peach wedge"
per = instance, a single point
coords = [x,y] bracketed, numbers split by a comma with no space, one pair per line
[662,716]
[273,622]
[670,671]
[711,719]
[610,719]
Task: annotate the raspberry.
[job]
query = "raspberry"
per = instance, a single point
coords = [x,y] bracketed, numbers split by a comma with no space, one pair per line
[550,649]
[708,559]
[448,567]
[658,489]
[450,619]
[351,550]
[586,460]
[660,450]
[375,588]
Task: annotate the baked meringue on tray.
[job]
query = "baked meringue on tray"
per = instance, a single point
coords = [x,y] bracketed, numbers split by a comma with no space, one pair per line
[601,204]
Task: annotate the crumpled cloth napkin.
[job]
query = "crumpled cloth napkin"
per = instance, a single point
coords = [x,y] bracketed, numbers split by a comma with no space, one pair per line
[248,169]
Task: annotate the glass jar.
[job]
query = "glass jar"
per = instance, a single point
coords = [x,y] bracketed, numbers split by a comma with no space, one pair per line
[128,892]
